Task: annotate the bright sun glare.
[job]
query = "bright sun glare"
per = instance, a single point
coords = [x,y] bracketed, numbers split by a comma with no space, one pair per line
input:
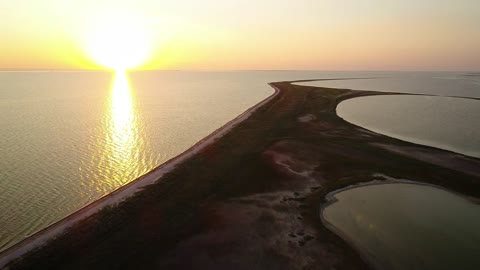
[118,42]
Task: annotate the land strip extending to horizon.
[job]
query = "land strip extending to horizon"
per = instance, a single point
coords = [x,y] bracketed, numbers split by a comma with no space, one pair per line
[248,196]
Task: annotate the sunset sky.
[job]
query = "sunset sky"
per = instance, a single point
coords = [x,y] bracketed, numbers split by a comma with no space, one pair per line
[240,34]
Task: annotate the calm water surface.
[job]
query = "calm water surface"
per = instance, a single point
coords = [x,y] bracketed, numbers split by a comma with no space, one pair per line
[442,122]
[408,226]
[448,123]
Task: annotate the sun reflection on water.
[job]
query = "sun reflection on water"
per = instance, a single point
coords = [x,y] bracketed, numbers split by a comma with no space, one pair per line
[119,162]
[122,114]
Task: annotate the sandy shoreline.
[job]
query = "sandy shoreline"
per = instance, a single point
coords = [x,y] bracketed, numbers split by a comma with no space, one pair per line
[41,237]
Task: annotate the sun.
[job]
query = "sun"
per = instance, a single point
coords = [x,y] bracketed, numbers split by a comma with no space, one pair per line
[118,42]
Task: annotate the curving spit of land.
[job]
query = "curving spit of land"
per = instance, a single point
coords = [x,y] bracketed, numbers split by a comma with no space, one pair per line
[246,197]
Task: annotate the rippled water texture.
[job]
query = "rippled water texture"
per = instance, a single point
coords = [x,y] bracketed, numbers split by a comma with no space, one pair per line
[408,226]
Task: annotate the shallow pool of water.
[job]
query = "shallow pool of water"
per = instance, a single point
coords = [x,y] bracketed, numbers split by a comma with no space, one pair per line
[442,122]
[407,226]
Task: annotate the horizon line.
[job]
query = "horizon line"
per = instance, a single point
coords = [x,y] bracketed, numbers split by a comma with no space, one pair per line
[229,70]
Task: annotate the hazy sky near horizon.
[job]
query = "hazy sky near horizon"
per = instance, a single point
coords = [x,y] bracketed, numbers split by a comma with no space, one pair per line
[239,34]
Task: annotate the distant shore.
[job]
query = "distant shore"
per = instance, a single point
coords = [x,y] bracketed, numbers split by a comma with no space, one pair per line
[276,161]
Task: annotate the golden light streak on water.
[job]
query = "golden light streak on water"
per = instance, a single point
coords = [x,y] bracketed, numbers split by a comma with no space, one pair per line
[122,114]
[122,143]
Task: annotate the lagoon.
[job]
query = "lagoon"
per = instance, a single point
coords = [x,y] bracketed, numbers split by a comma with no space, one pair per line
[441,122]
[407,226]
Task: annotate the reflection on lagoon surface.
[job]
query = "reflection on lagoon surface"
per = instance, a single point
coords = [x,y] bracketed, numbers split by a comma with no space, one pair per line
[408,226]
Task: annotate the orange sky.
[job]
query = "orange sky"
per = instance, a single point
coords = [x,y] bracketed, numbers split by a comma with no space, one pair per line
[234,34]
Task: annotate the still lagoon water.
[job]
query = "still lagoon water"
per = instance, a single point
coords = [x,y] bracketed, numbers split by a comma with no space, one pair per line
[407,226]
[69,138]
[447,120]
[441,122]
